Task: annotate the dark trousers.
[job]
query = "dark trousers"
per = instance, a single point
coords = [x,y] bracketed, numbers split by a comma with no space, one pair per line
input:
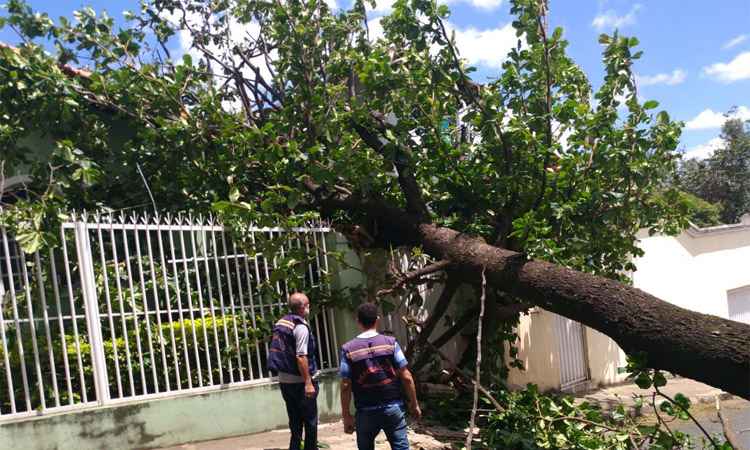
[303,414]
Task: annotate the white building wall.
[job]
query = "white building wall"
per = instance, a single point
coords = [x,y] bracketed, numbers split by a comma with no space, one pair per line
[696,269]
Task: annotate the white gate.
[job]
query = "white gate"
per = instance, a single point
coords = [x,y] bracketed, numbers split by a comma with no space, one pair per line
[573,362]
[739,304]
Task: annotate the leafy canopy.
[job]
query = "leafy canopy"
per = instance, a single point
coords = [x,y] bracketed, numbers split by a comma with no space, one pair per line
[274,93]
[724,177]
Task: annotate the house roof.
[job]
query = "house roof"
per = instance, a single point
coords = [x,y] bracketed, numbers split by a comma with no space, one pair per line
[743,225]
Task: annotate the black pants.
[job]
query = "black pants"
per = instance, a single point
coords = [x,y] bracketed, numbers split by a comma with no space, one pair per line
[303,414]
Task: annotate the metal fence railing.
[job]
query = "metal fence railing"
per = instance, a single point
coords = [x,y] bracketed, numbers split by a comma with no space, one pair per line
[141,307]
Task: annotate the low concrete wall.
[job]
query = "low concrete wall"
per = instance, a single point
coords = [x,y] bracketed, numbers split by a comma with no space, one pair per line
[164,422]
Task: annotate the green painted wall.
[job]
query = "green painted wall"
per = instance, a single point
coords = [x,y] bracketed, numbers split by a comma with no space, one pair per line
[184,418]
[165,422]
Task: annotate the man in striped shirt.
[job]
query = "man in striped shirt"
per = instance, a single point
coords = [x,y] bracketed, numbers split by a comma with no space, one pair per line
[374,369]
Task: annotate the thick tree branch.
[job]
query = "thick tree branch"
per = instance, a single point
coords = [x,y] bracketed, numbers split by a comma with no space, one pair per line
[699,346]
[404,164]
[414,276]
[441,306]
[706,348]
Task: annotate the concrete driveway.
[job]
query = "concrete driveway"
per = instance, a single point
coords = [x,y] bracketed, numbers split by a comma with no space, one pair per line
[738,412]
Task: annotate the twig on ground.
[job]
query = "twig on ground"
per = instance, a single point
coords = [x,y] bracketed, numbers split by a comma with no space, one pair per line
[478,369]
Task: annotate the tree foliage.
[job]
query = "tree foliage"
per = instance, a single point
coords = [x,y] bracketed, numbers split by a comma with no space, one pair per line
[551,168]
[724,177]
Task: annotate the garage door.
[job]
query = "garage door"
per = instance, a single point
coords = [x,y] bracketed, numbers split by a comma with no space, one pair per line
[739,304]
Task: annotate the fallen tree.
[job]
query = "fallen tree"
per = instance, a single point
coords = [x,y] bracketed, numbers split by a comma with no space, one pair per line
[292,112]
[707,348]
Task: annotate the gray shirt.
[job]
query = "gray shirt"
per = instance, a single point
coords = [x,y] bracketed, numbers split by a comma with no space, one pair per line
[301,338]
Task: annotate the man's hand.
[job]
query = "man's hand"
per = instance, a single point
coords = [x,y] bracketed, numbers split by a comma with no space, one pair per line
[411,392]
[348,424]
[309,390]
[415,411]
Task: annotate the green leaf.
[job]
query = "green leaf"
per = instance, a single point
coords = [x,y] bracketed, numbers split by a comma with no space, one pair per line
[659,379]
[643,380]
[651,104]
[30,240]
[681,400]
[234,194]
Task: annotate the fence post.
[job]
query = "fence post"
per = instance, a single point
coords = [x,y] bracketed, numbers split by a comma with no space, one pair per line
[91,302]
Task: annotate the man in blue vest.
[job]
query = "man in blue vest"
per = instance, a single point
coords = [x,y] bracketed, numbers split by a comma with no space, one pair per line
[374,368]
[293,356]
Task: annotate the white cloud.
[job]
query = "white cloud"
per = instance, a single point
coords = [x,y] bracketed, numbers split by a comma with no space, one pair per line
[489,47]
[735,70]
[375,28]
[705,150]
[708,118]
[670,79]
[609,19]
[381,6]
[735,41]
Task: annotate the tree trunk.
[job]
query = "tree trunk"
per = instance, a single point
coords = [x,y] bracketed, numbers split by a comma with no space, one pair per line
[706,348]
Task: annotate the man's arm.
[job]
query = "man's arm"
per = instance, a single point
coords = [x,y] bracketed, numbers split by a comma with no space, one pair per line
[346,393]
[346,400]
[302,337]
[304,370]
[411,391]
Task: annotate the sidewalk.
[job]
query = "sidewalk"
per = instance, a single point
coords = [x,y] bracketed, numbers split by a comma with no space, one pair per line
[331,434]
[609,398]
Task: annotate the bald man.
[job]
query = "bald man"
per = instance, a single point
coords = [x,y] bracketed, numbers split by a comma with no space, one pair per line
[294,358]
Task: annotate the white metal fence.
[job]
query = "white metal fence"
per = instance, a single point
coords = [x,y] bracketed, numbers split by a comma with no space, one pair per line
[142,307]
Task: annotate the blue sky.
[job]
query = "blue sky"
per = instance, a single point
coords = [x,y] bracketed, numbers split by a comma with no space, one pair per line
[696,61]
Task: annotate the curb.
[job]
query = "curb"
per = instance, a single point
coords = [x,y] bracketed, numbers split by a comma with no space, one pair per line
[608,405]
